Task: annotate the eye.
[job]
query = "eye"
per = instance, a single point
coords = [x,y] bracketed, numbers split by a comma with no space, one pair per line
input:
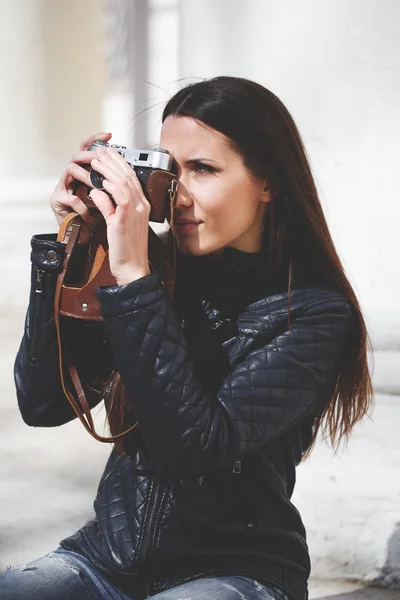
[199,167]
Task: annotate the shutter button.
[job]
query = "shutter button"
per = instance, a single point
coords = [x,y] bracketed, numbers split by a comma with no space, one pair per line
[52,256]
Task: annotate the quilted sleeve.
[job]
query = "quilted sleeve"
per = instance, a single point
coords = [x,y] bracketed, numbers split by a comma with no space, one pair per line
[41,399]
[188,431]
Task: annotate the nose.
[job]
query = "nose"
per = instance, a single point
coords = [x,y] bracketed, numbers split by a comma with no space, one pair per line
[183,197]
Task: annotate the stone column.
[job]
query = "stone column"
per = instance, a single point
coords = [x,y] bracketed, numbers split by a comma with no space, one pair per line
[127,40]
[52,77]
[22,89]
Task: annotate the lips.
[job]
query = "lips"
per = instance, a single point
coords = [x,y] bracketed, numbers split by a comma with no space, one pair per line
[184,226]
[181,221]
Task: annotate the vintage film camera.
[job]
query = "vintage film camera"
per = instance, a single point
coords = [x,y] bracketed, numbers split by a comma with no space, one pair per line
[154,171]
[88,265]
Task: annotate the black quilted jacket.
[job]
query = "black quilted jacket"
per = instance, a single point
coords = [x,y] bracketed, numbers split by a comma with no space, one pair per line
[225,394]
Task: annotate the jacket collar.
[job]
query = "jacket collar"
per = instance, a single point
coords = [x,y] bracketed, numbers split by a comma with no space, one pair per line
[235,276]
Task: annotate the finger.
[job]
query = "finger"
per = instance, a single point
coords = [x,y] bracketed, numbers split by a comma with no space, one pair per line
[111,157]
[72,174]
[86,143]
[121,167]
[83,157]
[78,173]
[63,203]
[109,163]
[124,202]
[113,175]
[117,159]
[103,203]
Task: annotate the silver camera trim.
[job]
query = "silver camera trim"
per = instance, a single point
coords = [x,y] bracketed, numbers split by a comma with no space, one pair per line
[155,159]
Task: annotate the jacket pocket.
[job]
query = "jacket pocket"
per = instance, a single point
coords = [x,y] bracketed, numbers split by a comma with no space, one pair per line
[37,308]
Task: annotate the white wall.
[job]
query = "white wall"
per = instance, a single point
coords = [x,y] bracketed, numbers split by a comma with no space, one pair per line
[335,66]
[334,63]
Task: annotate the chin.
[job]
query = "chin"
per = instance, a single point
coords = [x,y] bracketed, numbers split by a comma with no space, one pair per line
[193,248]
[188,251]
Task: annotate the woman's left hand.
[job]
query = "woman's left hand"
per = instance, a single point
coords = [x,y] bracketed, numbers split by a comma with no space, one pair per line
[128,221]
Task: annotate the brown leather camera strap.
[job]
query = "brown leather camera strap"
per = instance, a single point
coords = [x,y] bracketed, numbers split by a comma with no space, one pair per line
[70,228]
[162,258]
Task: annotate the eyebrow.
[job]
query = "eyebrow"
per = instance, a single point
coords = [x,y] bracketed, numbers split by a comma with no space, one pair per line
[190,161]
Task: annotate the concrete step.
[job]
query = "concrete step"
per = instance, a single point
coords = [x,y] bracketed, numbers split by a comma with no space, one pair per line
[320,589]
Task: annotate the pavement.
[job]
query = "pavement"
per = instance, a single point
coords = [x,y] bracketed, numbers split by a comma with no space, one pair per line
[48,480]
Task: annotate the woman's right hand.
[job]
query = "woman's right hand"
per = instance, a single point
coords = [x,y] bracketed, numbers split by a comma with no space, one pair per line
[64,199]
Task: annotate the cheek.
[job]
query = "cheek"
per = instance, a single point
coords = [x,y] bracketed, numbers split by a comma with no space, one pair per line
[209,193]
[217,207]
[215,191]
[227,201]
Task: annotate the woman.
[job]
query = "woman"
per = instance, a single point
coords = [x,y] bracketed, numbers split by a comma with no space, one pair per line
[262,346]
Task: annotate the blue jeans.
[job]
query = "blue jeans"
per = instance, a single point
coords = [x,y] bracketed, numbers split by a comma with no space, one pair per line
[64,575]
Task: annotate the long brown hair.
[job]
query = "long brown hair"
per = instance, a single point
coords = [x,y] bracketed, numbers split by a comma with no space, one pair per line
[262,131]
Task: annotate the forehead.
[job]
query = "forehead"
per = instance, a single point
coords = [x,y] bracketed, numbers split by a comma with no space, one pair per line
[185,137]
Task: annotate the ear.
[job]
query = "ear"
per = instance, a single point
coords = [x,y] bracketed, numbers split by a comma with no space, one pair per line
[265,193]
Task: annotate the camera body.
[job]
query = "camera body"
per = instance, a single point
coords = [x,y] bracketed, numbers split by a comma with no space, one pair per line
[153,169]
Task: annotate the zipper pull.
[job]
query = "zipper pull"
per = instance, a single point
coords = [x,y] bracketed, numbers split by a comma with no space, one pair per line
[39,279]
[215,326]
[237,466]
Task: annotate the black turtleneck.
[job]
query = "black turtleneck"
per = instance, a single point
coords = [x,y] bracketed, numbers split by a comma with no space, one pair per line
[230,281]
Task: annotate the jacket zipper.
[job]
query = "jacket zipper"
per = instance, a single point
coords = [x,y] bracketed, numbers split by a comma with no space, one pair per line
[218,324]
[154,502]
[36,314]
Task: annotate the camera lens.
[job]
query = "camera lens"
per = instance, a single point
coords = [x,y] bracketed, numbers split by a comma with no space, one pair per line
[98,143]
[96,179]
